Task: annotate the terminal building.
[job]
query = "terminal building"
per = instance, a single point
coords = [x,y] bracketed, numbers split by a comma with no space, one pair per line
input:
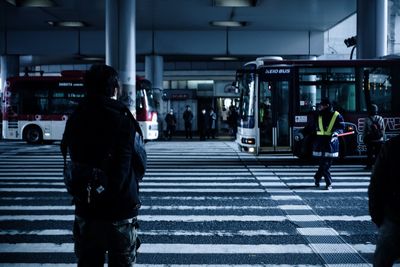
[189,50]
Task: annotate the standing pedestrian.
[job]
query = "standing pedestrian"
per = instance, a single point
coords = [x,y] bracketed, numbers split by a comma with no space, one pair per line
[373,135]
[325,129]
[170,119]
[232,121]
[100,137]
[384,200]
[188,118]
[212,124]
[203,124]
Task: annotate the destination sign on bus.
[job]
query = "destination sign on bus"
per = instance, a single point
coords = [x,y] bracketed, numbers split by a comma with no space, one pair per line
[277,71]
[69,84]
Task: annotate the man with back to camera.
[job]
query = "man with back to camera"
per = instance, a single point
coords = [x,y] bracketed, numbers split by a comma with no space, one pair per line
[325,127]
[101,131]
[373,143]
[384,203]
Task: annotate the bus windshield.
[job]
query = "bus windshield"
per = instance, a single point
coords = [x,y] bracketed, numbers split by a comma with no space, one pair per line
[246,81]
[145,108]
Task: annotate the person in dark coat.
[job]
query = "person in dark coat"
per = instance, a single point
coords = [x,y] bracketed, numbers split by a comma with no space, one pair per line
[203,124]
[232,120]
[170,119]
[326,127]
[188,118]
[384,203]
[101,133]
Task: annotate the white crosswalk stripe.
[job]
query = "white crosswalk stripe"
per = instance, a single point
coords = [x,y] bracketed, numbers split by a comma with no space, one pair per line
[214,207]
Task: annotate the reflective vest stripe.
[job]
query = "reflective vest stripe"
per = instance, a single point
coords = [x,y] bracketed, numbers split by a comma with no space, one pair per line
[330,126]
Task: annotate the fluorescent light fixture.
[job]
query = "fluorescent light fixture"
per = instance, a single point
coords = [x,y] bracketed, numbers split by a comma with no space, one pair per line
[225,58]
[32,3]
[68,24]
[228,23]
[234,3]
[92,58]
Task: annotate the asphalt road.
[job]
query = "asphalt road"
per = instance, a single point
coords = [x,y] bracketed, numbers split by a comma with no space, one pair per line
[204,203]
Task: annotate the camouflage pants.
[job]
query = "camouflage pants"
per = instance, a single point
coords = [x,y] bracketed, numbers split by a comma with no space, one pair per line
[93,238]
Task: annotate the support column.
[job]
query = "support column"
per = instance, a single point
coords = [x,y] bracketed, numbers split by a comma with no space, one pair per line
[9,68]
[120,46]
[154,70]
[372,21]
[154,67]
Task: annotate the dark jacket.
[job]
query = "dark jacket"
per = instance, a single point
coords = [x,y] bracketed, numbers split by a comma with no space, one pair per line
[98,127]
[188,117]
[325,145]
[170,119]
[384,188]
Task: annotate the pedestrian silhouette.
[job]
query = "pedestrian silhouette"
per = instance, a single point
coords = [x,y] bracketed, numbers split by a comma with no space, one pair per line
[188,118]
[203,124]
[325,128]
[384,203]
[102,138]
[373,135]
[170,119]
[212,124]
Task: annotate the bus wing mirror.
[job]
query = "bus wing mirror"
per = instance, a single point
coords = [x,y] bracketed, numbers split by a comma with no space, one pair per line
[235,84]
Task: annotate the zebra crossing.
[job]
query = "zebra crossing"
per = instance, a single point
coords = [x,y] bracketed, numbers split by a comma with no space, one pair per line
[204,204]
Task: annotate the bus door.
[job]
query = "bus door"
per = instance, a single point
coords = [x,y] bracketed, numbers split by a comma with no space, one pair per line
[274,109]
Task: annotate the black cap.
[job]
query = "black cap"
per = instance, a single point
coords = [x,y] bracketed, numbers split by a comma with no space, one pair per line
[325,102]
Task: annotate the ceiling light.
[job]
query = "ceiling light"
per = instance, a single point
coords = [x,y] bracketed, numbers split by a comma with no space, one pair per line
[32,3]
[234,3]
[228,23]
[70,24]
[225,58]
[92,58]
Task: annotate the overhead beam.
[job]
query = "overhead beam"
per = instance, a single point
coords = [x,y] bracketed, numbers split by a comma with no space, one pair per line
[171,43]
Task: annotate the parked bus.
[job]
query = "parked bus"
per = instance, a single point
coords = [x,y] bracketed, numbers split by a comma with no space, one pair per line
[146,113]
[277,99]
[36,108]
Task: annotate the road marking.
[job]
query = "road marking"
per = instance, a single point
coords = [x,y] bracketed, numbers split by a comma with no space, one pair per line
[201,218]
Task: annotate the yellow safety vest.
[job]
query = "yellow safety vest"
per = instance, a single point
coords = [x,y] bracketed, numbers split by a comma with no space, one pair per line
[330,126]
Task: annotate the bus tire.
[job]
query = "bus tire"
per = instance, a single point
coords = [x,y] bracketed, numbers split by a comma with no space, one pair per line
[33,135]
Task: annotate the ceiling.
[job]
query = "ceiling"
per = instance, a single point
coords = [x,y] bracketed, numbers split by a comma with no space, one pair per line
[185,15]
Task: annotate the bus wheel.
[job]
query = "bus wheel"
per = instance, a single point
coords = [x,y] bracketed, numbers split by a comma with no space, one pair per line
[33,135]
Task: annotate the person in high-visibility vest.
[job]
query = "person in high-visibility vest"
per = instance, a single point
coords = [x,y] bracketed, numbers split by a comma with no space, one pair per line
[328,125]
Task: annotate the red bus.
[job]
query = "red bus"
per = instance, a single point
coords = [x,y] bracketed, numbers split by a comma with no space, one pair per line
[277,98]
[36,108]
[146,113]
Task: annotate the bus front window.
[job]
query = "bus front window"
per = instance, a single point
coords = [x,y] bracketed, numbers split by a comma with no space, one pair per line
[247,104]
[145,109]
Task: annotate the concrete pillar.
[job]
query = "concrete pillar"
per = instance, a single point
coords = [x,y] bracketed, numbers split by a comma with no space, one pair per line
[154,69]
[9,68]
[120,46]
[372,21]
